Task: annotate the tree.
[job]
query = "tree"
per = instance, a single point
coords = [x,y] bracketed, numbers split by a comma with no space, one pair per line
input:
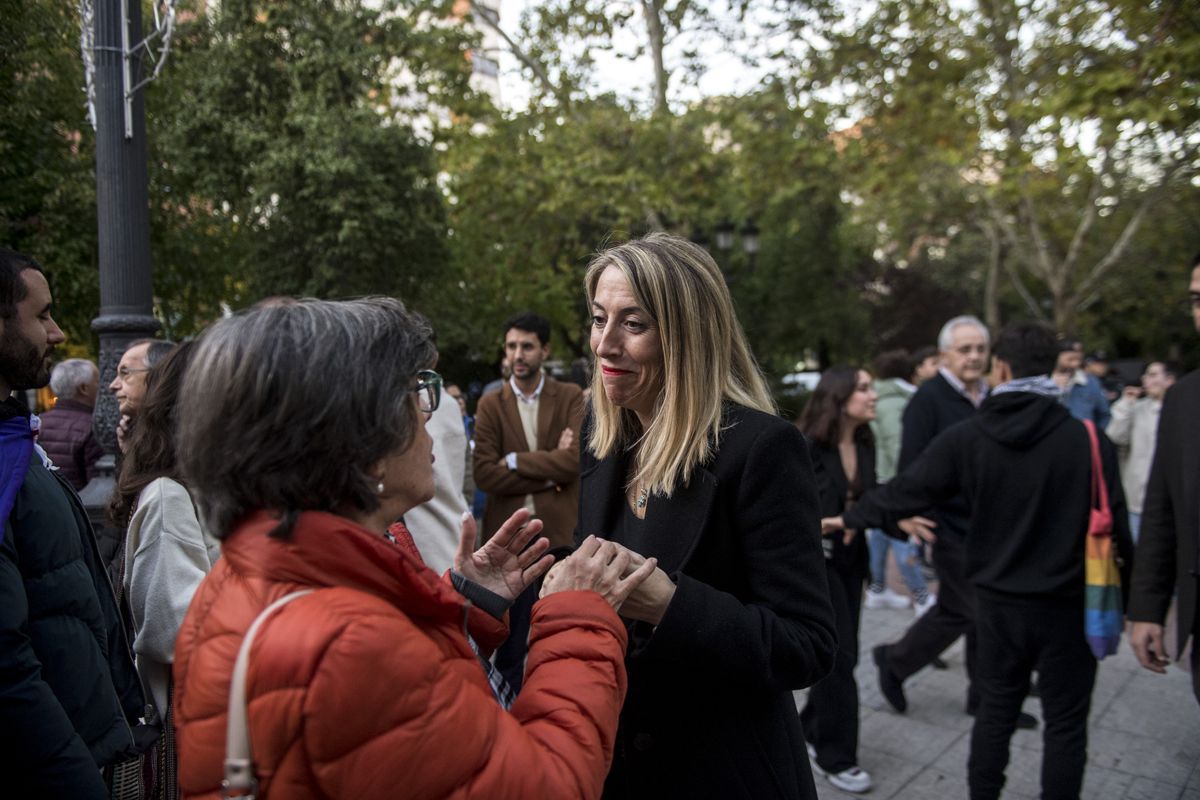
[47,187]
[284,154]
[1055,127]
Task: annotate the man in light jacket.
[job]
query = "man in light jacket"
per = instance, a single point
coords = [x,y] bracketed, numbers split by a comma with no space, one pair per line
[1133,427]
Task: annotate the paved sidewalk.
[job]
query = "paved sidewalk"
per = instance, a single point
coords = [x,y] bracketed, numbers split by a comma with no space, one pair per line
[1143,732]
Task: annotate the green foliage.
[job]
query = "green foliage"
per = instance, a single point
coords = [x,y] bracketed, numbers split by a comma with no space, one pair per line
[47,189]
[284,160]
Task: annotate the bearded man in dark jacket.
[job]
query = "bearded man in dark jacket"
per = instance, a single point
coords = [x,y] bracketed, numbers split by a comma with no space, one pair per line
[1024,466]
[69,696]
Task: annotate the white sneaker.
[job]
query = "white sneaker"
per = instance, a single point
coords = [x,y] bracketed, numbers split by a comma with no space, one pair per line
[929,602]
[886,599]
[854,779]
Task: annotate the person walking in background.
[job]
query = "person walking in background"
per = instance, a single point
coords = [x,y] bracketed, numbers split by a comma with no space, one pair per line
[376,685]
[687,462]
[836,421]
[925,363]
[1082,393]
[1133,428]
[1025,470]
[1168,554]
[167,551]
[527,456]
[893,391]
[66,430]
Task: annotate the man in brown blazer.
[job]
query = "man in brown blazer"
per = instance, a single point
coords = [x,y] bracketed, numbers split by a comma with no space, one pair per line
[527,438]
[527,456]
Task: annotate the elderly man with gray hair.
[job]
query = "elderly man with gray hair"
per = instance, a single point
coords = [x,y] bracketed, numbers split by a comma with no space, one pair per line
[66,432]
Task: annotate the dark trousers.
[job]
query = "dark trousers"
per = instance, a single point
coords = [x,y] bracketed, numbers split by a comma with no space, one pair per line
[510,655]
[1015,638]
[830,718]
[952,616]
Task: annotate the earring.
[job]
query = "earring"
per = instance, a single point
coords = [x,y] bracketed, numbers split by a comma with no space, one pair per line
[379,488]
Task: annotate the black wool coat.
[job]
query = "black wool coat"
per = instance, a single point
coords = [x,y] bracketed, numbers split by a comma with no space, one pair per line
[1168,549]
[710,712]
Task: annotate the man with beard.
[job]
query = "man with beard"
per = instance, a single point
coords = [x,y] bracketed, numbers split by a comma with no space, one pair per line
[527,456]
[69,696]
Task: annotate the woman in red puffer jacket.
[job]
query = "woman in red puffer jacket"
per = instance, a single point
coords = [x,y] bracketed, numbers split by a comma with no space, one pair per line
[302,435]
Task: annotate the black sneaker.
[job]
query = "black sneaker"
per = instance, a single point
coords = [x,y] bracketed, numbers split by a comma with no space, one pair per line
[891,687]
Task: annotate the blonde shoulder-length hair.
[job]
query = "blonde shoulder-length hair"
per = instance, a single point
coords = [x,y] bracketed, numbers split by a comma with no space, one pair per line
[706,360]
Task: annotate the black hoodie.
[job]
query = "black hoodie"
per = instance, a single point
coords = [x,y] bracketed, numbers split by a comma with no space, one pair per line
[1024,466]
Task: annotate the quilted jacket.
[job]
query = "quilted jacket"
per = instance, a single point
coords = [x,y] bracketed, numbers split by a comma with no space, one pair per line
[368,688]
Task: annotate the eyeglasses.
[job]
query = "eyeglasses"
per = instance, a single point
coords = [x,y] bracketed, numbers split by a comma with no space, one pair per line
[124,372]
[1194,299]
[428,390]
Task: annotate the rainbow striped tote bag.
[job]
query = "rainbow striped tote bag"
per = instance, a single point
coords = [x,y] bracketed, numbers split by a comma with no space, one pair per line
[1103,618]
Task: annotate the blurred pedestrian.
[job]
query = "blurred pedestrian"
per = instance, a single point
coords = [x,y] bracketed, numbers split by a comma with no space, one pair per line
[836,421]
[893,391]
[66,430]
[1025,468]
[1133,427]
[1082,393]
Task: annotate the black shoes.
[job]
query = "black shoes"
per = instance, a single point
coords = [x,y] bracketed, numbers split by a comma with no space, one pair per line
[891,687]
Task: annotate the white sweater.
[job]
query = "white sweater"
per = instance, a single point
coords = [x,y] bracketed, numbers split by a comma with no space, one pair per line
[1133,427]
[167,554]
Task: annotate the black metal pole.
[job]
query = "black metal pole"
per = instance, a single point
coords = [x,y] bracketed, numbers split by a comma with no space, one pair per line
[123,217]
[122,202]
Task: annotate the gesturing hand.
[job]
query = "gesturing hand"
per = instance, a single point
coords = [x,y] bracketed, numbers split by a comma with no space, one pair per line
[505,565]
[598,566]
[921,527]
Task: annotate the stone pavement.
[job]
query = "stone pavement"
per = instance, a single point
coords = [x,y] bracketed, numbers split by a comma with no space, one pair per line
[1143,732]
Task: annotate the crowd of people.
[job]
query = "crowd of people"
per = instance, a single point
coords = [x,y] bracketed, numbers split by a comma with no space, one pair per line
[330,581]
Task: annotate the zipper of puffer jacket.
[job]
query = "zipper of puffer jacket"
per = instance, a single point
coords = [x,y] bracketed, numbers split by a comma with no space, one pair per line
[74,497]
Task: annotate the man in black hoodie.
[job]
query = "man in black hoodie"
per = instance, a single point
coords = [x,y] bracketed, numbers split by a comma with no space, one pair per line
[1023,465]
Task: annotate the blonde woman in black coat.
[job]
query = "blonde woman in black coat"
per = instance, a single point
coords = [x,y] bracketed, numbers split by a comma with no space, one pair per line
[686,461]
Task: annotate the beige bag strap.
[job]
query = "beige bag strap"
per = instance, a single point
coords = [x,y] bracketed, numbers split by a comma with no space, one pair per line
[239,761]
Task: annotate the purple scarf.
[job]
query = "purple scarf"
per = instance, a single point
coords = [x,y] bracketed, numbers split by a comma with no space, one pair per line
[16,448]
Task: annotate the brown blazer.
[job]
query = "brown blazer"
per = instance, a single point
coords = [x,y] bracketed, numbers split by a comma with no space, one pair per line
[549,474]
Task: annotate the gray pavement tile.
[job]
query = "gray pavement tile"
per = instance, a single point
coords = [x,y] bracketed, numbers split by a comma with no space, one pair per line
[1168,761]
[1102,783]
[1158,709]
[935,784]
[907,738]
[1147,789]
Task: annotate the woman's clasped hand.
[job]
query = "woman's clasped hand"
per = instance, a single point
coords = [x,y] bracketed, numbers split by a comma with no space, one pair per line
[602,567]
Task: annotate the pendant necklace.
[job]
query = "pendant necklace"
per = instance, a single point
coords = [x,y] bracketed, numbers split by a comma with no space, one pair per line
[643,495]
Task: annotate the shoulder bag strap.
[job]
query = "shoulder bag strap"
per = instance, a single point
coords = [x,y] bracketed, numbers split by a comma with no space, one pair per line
[1099,487]
[239,761]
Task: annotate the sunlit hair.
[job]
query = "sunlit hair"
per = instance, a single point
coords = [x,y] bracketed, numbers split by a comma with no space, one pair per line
[821,419]
[287,407]
[706,360]
[68,377]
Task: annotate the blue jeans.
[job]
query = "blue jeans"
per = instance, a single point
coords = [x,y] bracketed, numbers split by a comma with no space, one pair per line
[1135,525]
[878,544]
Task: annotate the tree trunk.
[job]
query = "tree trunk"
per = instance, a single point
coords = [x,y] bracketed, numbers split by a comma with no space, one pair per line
[652,10]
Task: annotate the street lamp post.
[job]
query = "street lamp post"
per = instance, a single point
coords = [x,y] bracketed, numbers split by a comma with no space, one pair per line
[724,235]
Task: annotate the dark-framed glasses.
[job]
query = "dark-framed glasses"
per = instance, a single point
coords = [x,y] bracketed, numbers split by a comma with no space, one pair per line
[428,390]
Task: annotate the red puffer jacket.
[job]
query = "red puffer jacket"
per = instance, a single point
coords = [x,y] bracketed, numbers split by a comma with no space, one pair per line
[368,688]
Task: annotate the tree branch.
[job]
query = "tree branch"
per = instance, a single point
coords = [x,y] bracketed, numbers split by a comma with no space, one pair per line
[1115,253]
[1089,213]
[539,71]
